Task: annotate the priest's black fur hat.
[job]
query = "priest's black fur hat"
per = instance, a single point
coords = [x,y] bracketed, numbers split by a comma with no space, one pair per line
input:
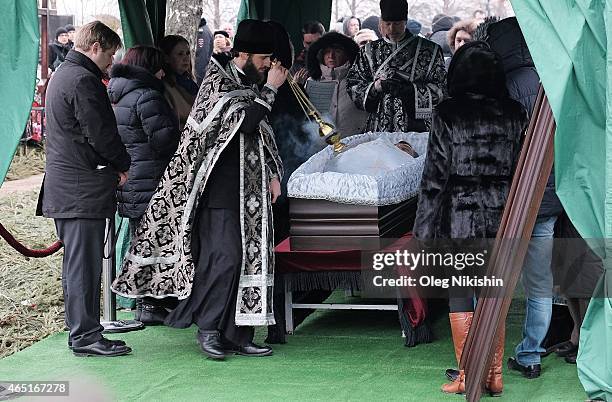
[283,48]
[255,37]
[393,10]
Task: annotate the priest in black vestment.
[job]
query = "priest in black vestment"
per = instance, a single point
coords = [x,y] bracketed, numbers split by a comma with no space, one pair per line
[207,235]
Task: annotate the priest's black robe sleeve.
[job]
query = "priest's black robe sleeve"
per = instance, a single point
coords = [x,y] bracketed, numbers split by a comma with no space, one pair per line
[258,110]
[430,91]
[360,83]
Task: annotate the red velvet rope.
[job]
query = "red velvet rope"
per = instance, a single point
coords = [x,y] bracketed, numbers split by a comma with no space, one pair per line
[28,252]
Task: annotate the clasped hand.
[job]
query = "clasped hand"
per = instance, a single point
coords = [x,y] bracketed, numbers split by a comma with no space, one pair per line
[397,84]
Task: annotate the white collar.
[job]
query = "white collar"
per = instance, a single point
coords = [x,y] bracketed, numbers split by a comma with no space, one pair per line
[238,68]
[399,41]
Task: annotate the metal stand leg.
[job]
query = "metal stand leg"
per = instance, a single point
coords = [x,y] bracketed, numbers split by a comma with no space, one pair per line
[109,313]
[288,306]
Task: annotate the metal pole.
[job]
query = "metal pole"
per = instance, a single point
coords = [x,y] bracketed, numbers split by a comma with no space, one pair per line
[108,273]
[109,307]
[267,9]
[44,49]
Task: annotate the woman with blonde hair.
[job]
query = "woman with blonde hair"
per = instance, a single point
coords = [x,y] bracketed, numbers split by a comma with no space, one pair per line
[461,33]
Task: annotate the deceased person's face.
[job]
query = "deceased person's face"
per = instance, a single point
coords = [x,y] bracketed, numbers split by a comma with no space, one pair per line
[406,147]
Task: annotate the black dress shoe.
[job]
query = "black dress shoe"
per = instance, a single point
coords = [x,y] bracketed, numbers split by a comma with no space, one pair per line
[571,359]
[113,341]
[530,372]
[250,349]
[210,343]
[103,347]
[452,374]
[567,350]
[150,314]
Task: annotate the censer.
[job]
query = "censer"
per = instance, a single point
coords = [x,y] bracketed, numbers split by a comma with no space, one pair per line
[326,130]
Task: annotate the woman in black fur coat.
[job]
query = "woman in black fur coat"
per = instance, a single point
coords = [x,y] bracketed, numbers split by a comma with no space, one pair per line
[473,147]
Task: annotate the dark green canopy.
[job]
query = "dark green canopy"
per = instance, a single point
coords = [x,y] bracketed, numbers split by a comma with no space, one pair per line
[143,21]
[292,14]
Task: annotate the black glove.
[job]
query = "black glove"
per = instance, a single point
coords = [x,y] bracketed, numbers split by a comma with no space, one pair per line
[399,85]
[390,86]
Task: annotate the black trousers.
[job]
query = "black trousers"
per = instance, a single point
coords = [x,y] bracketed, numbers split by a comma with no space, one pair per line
[81,277]
[217,252]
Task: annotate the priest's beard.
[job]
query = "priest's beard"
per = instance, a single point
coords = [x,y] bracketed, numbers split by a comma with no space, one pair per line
[252,73]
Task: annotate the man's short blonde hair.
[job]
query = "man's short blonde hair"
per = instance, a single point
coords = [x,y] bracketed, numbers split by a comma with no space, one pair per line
[93,32]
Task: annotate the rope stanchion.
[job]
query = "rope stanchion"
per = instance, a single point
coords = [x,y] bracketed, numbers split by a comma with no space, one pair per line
[28,252]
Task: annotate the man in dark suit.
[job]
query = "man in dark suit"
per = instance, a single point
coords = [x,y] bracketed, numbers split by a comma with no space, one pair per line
[86,160]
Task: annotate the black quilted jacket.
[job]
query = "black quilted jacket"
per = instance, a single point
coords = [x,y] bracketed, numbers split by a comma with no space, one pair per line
[148,128]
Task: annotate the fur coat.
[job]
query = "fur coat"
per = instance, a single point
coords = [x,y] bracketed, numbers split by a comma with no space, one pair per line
[473,148]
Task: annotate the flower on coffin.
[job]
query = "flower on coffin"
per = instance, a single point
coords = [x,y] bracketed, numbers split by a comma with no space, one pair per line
[252,158]
[253,204]
[252,249]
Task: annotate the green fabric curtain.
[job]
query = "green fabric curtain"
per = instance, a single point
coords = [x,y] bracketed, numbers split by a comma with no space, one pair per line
[19,35]
[571,44]
[143,21]
[292,14]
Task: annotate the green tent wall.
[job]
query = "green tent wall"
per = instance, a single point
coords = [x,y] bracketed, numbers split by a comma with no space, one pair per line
[142,21]
[571,44]
[19,35]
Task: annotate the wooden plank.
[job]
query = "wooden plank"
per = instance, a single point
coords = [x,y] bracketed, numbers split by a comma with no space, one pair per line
[520,213]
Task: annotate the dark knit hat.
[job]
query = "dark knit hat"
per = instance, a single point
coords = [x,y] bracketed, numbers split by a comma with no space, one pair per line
[69,28]
[224,33]
[60,31]
[254,36]
[414,26]
[372,23]
[393,10]
[444,23]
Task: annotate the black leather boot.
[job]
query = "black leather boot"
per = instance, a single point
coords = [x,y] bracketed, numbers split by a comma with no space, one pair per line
[210,343]
[150,314]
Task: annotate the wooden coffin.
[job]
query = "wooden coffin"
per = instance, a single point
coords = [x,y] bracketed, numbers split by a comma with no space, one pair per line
[326,225]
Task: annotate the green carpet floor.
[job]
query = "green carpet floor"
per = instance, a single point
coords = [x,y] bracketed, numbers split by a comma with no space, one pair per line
[334,355]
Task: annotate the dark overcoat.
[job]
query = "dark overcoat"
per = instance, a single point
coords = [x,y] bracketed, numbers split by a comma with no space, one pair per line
[473,147]
[84,150]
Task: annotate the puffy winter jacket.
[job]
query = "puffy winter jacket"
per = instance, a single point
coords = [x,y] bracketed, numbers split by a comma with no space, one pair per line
[149,129]
[523,83]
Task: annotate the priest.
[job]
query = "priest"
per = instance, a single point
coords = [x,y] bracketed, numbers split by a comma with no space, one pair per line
[206,236]
[399,78]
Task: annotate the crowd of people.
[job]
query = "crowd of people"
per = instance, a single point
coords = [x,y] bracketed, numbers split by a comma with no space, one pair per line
[193,158]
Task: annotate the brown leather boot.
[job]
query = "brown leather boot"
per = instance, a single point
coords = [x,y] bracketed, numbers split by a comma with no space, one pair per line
[460,326]
[495,384]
